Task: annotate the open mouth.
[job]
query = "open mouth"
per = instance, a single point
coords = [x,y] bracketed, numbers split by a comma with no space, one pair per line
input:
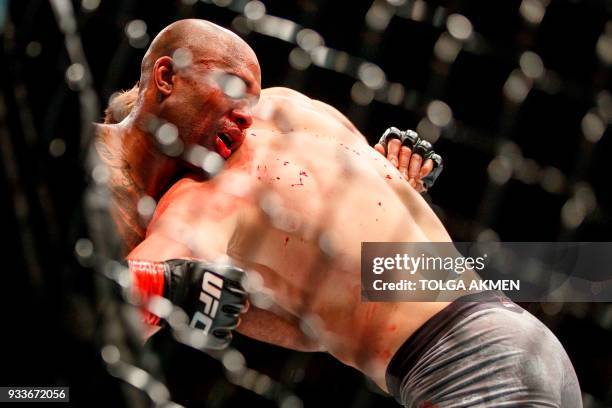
[225,139]
[224,145]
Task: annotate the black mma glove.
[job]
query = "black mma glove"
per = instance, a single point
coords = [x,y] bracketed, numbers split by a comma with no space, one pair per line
[418,146]
[210,293]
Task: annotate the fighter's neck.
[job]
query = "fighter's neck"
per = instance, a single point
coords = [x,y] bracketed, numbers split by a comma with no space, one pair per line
[134,159]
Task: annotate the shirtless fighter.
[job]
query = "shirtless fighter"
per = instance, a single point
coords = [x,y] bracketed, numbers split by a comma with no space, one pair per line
[180,103]
[295,207]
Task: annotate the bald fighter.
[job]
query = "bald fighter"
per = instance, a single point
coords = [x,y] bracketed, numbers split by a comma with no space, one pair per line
[186,95]
[295,206]
[182,102]
[179,104]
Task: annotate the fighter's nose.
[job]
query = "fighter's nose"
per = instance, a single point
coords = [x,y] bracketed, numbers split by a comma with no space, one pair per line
[242,118]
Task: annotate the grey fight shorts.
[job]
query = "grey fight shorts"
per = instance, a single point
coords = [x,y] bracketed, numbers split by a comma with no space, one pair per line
[483,350]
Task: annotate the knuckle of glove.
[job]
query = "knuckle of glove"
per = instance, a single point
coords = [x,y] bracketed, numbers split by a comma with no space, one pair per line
[436,158]
[227,271]
[221,339]
[218,340]
[233,278]
[410,138]
[423,148]
[389,134]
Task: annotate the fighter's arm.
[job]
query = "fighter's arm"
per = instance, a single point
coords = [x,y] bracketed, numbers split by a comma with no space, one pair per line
[163,264]
[158,247]
[185,212]
[198,220]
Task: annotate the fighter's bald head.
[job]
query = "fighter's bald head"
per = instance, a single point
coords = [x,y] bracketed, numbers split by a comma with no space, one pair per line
[203,41]
[201,78]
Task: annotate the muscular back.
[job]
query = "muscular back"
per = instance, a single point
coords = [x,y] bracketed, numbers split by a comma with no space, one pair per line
[295,203]
[321,168]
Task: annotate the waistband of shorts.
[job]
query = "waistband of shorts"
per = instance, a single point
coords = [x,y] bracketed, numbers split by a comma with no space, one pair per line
[429,333]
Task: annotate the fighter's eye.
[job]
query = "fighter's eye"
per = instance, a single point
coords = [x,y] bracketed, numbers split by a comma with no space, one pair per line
[232,85]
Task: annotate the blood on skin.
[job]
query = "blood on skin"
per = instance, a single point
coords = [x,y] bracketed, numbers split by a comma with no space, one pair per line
[286,240]
[388,177]
[301,183]
[262,172]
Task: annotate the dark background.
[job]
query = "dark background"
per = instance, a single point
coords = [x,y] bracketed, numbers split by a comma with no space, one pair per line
[51,304]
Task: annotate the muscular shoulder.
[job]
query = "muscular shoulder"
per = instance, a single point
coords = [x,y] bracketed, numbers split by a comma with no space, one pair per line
[178,197]
[190,200]
[313,104]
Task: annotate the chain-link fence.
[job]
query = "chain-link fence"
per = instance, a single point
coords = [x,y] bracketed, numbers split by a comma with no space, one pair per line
[515,96]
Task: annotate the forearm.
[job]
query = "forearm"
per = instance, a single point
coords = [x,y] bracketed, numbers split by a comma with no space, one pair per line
[282,331]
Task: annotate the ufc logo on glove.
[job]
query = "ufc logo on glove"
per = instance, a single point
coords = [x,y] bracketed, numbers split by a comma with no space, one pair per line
[210,295]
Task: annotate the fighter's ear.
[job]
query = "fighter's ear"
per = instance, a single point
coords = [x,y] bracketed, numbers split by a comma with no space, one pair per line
[163,71]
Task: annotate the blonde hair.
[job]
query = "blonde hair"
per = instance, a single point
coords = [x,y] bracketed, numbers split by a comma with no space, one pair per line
[120,105]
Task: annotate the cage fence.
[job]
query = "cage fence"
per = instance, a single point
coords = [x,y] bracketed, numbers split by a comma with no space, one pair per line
[515,96]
